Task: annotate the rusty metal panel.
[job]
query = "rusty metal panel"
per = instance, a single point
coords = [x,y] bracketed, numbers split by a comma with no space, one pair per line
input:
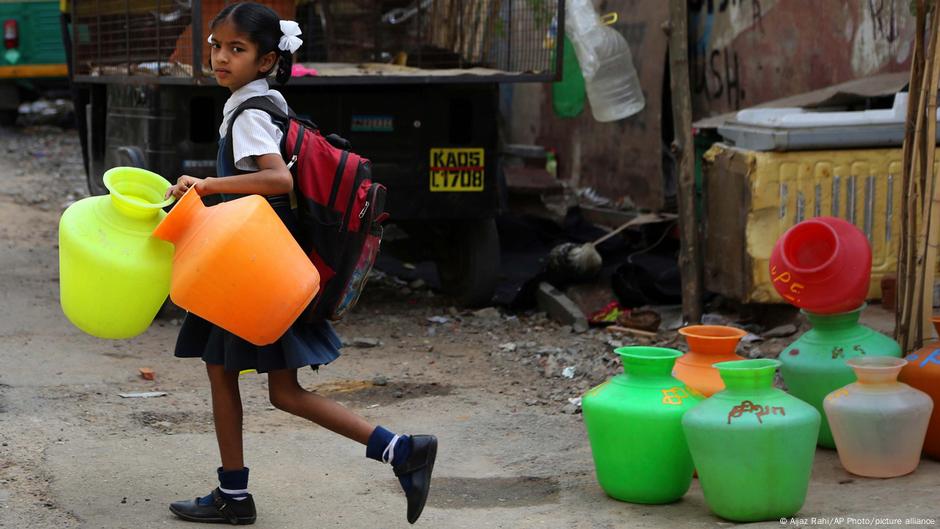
[745,52]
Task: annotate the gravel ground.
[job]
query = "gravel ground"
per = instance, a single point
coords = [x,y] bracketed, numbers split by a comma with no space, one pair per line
[42,167]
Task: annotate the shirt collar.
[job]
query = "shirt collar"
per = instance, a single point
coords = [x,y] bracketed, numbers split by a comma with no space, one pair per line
[258,87]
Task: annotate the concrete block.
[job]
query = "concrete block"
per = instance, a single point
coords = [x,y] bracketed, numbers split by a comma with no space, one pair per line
[560,308]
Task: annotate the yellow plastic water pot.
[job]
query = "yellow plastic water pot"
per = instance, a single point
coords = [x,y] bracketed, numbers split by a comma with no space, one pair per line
[113,275]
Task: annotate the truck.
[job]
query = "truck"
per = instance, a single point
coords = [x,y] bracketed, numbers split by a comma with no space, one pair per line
[412,84]
[33,51]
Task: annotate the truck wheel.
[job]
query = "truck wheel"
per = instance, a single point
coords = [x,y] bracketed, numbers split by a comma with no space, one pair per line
[10,96]
[468,264]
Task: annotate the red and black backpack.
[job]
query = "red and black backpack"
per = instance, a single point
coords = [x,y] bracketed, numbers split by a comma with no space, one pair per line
[340,208]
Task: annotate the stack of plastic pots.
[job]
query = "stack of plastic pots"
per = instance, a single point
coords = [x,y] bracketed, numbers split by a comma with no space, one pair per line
[823,266]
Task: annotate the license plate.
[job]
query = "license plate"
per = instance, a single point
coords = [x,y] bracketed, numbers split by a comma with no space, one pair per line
[457,169]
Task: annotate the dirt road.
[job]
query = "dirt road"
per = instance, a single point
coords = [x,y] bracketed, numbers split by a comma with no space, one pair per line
[513,452]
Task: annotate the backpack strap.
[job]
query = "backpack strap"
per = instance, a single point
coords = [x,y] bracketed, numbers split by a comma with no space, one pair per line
[265,104]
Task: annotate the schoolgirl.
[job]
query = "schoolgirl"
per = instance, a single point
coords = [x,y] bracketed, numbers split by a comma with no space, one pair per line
[249,43]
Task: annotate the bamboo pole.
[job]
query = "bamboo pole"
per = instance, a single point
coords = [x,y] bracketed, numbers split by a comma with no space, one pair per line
[917,255]
[924,156]
[917,236]
[904,268]
[690,259]
[910,205]
[931,217]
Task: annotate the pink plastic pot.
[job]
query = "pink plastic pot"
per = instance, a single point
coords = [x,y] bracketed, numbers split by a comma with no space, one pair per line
[822,265]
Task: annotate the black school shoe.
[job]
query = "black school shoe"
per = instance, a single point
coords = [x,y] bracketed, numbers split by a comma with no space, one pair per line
[219,511]
[418,468]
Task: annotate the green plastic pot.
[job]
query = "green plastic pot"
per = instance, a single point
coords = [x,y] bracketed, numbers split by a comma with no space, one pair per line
[752,444]
[814,365]
[634,424]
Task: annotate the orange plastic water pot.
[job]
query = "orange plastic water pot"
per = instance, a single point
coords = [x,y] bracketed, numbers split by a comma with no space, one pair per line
[923,372]
[708,344]
[237,266]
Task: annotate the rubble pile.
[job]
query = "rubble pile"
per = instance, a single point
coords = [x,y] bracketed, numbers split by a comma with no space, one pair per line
[552,364]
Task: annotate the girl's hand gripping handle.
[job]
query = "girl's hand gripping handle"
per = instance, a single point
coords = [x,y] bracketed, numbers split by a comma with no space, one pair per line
[184,183]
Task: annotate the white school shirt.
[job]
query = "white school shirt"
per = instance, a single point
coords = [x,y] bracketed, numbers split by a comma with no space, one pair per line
[254,134]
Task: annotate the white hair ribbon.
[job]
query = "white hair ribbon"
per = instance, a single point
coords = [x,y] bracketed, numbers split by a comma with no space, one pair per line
[290,41]
[209,40]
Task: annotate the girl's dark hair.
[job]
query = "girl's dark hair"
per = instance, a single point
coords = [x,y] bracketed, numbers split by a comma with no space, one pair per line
[263,26]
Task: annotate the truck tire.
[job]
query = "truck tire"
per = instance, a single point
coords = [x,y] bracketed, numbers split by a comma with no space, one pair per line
[468,264]
[9,102]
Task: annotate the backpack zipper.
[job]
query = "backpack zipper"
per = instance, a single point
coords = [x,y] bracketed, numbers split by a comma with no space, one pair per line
[338,179]
[357,183]
[300,141]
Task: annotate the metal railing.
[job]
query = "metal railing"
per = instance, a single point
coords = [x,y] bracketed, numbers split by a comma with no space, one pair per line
[420,40]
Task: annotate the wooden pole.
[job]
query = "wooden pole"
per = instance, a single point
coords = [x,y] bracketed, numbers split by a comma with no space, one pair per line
[931,216]
[916,195]
[690,253]
[917,255]
[906,251]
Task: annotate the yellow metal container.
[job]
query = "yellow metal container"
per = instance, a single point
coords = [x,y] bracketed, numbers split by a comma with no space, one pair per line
[752,197]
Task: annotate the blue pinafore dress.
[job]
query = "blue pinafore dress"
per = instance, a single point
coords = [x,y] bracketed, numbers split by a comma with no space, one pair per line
[303,344]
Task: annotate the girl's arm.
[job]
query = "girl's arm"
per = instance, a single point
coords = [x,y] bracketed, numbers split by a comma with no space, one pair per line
[272,178]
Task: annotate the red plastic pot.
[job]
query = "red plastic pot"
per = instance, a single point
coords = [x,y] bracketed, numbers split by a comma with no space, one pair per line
[822,265]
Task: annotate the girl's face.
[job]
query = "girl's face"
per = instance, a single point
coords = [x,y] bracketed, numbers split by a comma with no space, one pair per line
[235,59]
